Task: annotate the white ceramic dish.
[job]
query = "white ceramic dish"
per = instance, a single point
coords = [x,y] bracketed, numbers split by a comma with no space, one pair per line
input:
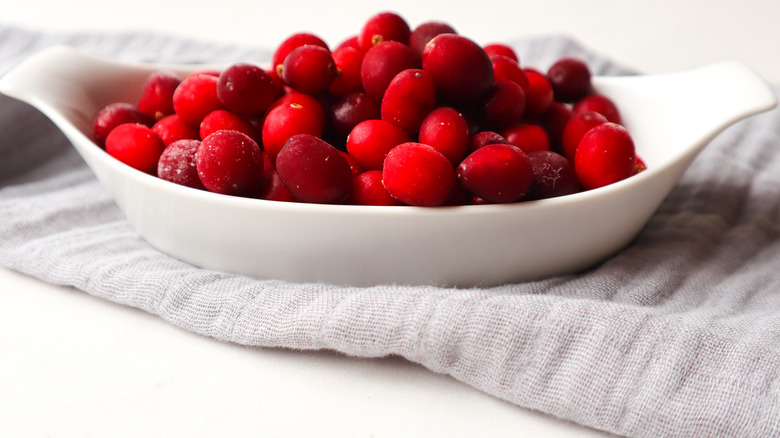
[671,118]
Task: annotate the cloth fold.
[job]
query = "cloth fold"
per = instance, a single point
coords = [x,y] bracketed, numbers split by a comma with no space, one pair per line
[677,335]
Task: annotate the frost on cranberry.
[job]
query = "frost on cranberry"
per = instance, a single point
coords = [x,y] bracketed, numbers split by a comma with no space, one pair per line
[178,164]
[553,176]
[230,163]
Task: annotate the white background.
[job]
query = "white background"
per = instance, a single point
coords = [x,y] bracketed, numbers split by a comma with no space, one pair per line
[75,365]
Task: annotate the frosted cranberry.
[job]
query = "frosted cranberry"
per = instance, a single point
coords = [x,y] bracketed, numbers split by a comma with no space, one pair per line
[178,164]
[351,41]
[156,99]
[447,131]
[460,68]
[553,176]
[576,128]
[600,104]
[382,63]
[371,140]
[368,189]
[289,44]
[485,138]
[230,163]
[195,97]
[135,145]
[246,89]
[309,69]
[113,115]
[570,79]
[605,155]
[507,69]
[504,103]
[539,94]
[172,128]
[527,136]
[425,32]
[285,121]
[417,174]
[273,189]
[348,61]
[503,50]
[349,110]
[384,26]
[497,173]
[410,97]
[220,120]
[554,120]
[313,170]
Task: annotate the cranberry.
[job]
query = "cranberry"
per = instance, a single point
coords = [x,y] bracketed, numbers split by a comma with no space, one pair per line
[354,165]
[570,79]
[381,63]
[273,189]
[417,174]
[384,26]
[195,97]
[246,89]
[351,41]
[504,103]
[311,103]
[600,104]
[371,140]
[368,189]
[285,121]
[178,164]
[576,128]
[497,173]
[485,138]
[349,110]
[222,119]
[460,68]
[425,32]
[605,155]
[447,131]
[113,115]
[230,163]
[172,128]
[348,61]
[502,49]
[507,69]
[539,94]
[309,69]
[553,176]
[156,99]
[289,44]
[527,136]
[313,170]
[410,97]
[554,120]
[135,145]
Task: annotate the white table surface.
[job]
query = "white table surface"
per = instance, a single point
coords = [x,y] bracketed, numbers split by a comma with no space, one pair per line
[73,365]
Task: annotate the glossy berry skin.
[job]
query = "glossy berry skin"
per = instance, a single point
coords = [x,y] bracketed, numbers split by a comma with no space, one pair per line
[382,63]
[384,26]
[570,79]
[135,145]
[485,138]
[497,173]
[447,131]
[576,128]
[178,164]
[287,120]
[349,110]
[195,97]
[220,120]
[504,104]
[539,94]
[605,155]
[507,69]
[309,69]
[172,128]
[502,49]
[409,98]
[348,61]
[113,115]
[460,68]
[230,163]
[368,189]
[553,176]
[425,32]
[417,174]
[600,104]
[156,99]
[289,44]
[529,137]
[313,170]
[246,89]
[371,140]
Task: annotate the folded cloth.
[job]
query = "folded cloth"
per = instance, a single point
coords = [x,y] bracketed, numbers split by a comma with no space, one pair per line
[678,335]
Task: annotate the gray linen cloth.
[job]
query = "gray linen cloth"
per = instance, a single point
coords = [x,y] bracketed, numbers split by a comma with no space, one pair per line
[676,336]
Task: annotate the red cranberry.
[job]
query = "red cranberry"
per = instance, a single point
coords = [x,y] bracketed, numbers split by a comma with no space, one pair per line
[285,121]
[417,174]
[507,69]
[349,110]
[178,164]
[384,26]
[289,44]
[410,97]
[195,97]
[309,69]
[135,145]
[351,41]
[172,128]
[220,120]
[539,94]
[600,104]
[504,103]
[273,189]
[313,170]
[230,163]
[528,137]
[348,61]
[554,120]
[576,128]
[460,68]
[113,115]
[605,155]
[497,173]
[570,79]
[447,131]
[156,99]
[246,89]
[371,140]
[425,32]
[503,50]
[485,138]
[368,189]
[553,176]
[381,63]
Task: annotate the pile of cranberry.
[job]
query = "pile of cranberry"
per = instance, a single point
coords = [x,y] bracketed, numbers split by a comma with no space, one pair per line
[392,116]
